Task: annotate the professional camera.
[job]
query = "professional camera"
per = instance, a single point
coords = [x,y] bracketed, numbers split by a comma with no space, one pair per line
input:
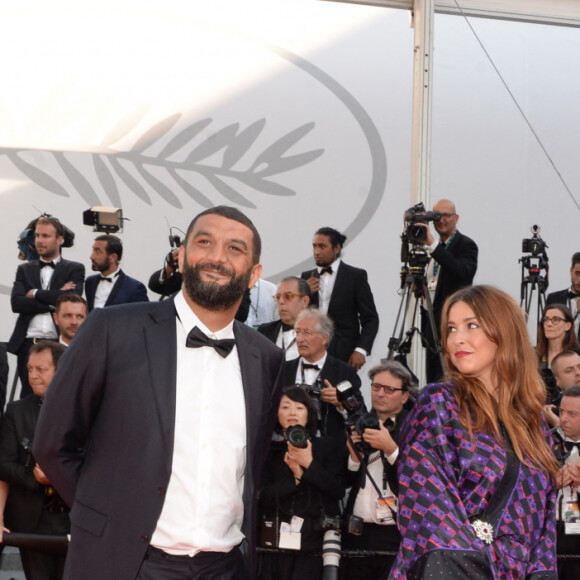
[534,245]
[416,215]
[297,436]
[357,414]
[331,545]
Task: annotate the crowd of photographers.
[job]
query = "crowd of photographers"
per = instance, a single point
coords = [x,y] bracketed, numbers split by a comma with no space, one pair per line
[326,440]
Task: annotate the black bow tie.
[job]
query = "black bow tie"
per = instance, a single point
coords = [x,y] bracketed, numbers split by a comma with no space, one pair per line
[309,366]
[196,338]
[571,444]
[286,327]
[105,279]
[326,271]
[572,294]
[43,264]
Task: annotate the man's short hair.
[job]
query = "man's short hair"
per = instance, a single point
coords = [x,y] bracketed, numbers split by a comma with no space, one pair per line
[114,245]
[303,287]
[572,391]
[397,370]
[325,324]
[575,259]
[336,238]
[70,297]
[55,348]
[559,358]
[51,221]
[236,215]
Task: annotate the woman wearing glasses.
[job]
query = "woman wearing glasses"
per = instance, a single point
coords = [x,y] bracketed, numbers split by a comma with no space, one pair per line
[555,334]
[476,473]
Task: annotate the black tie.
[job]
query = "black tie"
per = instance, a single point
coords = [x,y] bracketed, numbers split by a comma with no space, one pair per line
[306,366]
[105,279]
[196,339]
[43,264]
[572,294]
[326,271]
[571,444]
[286,327]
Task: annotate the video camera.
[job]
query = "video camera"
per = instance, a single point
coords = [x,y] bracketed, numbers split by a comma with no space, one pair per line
[418,215]
[534,245]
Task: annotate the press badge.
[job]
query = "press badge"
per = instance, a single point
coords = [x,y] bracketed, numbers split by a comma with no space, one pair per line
[288,539]
[386,507]
[571,518]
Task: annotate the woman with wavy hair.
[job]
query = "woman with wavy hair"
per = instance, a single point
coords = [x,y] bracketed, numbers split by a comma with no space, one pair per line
[556,333]
[477,494]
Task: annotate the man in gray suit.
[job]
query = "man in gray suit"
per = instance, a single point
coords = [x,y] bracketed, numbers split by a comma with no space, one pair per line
[159,418]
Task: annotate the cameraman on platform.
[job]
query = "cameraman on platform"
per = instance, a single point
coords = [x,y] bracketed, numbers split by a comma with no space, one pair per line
[453,265]
[370,516]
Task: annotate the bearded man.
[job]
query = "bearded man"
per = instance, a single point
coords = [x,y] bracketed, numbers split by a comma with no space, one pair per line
[157,423]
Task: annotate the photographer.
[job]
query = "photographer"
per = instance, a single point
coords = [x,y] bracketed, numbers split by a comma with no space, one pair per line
[300,487]
[370,515]
[167,281]
[453,266]
[567,438]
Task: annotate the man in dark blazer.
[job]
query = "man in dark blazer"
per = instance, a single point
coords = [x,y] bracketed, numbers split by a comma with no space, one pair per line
[111,286]
[292,297]
[32,506]
[343,292]
[320,372]
[570,296]
[36,289]
[453,266]
[156,438]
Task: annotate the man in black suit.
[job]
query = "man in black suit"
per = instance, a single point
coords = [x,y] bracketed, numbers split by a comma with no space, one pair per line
[111,286]
[70,312]
[343,292]
[156,438]
[318,371]
[37,286]
[570,296]
[292,297]
[375,510]
[453,265]
[32,506]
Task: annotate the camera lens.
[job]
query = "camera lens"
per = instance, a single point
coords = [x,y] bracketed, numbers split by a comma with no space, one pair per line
[297,436]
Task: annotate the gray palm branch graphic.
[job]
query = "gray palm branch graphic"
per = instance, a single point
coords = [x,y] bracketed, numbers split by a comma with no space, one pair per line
[186,153]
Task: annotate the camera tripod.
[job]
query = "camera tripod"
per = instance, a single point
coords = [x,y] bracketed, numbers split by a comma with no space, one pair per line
[414,284]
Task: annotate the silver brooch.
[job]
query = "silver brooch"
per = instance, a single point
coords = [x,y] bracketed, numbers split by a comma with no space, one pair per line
[483,531]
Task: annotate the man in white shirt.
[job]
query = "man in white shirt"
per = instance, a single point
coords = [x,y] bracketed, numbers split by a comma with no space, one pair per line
[156,438]
[372,503]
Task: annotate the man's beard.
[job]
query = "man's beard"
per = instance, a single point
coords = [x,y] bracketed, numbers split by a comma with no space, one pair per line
[210,295]
[99,267]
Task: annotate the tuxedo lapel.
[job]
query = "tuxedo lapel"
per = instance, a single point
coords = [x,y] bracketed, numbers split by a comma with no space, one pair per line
[339,285]
[161,352]
[116,288]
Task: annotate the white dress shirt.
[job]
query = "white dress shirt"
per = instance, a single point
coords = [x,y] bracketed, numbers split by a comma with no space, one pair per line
[42,325]
[327,285]
[104,289]
[203,509]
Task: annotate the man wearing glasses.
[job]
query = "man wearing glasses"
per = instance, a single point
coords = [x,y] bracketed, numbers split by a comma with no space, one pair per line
[453,266]
[371,512]
[292,297]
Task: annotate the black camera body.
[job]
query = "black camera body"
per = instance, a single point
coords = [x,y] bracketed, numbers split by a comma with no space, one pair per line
[357,414]
[534,245]
[415,215]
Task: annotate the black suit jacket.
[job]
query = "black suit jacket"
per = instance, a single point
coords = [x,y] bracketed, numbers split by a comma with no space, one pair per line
[458,265]
[125,290]
[271,330]
[560,297]
[352,308]
[335,371]
[26,495]
[105,434]
[28,278]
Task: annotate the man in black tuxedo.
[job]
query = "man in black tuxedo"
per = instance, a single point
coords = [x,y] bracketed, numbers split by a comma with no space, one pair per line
[570,296]
[453,265]
[292,297]
[32,506]
[376,510]
[156,438]
[70,312]
[318,371]
[36,289]
[343,292]
[111,286]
